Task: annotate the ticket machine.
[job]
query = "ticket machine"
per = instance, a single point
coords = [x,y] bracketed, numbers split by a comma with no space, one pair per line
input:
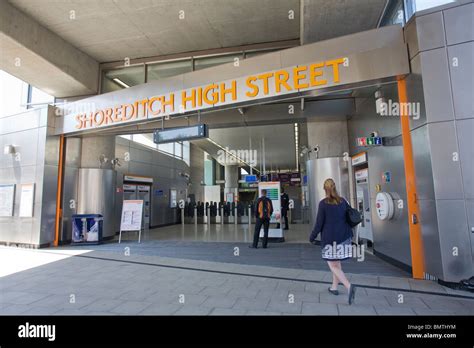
[143,193]
[363,203]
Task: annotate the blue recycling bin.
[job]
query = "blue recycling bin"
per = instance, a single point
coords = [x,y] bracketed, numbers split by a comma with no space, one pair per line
[87,228]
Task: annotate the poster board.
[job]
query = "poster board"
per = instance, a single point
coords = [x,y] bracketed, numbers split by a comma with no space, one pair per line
[7,200]
[273,193]
[27,200]
[132,217]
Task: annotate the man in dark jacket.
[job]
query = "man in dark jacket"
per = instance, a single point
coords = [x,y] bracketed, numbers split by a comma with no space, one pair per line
[263,212]
[285,205]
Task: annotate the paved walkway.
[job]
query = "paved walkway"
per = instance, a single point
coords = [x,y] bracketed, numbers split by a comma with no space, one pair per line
[281,255]
[68,281]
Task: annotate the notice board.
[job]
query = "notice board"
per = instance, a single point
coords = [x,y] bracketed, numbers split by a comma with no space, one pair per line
[27,199]
[132,214]
[7,199]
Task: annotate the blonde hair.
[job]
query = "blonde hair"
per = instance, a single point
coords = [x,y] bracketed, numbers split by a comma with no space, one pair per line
[332,197]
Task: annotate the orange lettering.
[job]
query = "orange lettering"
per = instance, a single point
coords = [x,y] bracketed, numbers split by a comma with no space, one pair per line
[108,115]
[124,112]
[335,67]
[170,102]
[215,95]
[98,123]
[249,83]
[298,77]
[313,75]
[265,78]
[191,98]
[117,112]
[79,120]
[281,78]
[150,105]
[232,90]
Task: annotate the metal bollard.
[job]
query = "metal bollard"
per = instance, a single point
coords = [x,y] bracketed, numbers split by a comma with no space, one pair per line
[182,216]
[208,215]
[235,216]
[195,216]
[222,215]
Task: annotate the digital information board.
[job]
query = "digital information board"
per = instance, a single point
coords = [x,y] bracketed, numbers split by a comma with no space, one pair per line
[273,193]
[179,134]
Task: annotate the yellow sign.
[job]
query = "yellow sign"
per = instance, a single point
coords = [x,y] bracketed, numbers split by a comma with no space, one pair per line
[255,86]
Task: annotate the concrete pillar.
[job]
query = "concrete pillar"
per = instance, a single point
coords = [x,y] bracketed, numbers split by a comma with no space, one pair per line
[97,149]
[231,173]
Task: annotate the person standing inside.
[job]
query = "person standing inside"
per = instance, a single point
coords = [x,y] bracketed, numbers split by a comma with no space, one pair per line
[285,205]
[336,236]
[263,212]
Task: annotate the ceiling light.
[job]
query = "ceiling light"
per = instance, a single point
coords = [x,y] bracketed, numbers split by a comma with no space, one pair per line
[120,82]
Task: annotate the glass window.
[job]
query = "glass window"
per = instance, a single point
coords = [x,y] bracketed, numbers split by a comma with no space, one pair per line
[178,150]
[168,148]
[160,71]
[204,63]
[394,14]
[113,80]
[257,53]
[412,6]
[13,94]
[186,152]
[40,98]
[144,139]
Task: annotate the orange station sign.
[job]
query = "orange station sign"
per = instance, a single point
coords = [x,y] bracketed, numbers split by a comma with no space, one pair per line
[279,82]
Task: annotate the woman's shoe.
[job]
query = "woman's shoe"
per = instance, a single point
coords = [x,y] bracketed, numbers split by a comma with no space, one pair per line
[334,292]
[352,290]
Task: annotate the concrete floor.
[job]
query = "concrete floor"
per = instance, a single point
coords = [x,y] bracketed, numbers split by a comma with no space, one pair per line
[209,270]
[72,281]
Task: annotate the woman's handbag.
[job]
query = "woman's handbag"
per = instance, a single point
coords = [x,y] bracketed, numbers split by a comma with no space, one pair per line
[353,216]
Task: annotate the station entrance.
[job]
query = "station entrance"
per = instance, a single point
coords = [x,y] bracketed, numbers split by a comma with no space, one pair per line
[259,134]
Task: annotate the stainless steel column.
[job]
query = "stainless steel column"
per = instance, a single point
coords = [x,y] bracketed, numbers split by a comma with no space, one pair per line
[320,169]
[96,195]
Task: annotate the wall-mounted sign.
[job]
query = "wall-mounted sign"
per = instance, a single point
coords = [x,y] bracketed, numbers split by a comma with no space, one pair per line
[295,179]
[7,199]
[27,200]
[173,198]
[284,81]
[229,197]
[386,177]
[137,178]
[284,178]
[250,178]
[369,141]
[384,206]
[179,134]
[158,192]
[360,158]
[362,174]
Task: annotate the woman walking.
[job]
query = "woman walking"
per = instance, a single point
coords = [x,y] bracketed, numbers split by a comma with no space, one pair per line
[336,236]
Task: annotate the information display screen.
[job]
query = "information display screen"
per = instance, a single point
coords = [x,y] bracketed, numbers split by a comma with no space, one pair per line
[180,134]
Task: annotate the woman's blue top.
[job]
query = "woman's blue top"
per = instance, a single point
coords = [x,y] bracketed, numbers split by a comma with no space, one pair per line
[331,223]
